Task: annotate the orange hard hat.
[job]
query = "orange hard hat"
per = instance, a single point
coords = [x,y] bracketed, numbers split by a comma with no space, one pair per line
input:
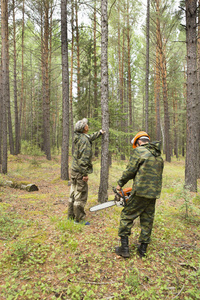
[137,136]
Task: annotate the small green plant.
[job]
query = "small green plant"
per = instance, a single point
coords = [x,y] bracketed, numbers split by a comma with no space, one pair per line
[31,149]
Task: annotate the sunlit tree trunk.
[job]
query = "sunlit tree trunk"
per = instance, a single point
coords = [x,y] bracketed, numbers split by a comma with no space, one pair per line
[65,93]
[192,99]
[103,189]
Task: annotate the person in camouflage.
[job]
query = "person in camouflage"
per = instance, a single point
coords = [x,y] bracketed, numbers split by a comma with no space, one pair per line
[81,167]
[145,168]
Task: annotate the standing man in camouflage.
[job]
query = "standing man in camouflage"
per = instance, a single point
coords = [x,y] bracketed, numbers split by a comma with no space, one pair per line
[145,168]
[81,167]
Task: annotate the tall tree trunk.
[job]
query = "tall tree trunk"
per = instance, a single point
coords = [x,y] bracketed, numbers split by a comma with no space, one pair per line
[129,70]
[71,80]
[95,73]
[192,100]
[121,83]
[147,69]
[17,135]
[198,80]
[157,77]
[103,189]
[167,143]
[1,114]
[4,49]
[22,81]
[78,56]
[65,93]
[46,95]
[10,131]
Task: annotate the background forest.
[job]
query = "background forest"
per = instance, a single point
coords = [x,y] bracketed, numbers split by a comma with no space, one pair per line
[147,74]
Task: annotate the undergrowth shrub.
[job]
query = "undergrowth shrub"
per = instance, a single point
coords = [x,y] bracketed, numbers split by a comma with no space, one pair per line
[31,149]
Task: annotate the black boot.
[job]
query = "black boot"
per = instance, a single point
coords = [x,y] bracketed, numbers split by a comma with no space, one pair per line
[123,250]
[142,249]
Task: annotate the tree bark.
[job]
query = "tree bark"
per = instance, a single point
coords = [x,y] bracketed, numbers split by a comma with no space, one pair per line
[17,127]
[192,100]
[167,142]
[129,70]
[103,189]
[4,49]
[147,70]
[65,92]
[71,81]
[157,77]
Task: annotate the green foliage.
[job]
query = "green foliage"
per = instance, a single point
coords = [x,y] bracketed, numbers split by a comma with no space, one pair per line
[31,149]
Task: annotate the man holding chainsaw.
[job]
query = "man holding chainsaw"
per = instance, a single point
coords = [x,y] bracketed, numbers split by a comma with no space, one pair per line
[145,168]
[81,167]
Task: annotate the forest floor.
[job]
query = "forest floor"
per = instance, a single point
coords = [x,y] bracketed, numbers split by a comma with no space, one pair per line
[45,256]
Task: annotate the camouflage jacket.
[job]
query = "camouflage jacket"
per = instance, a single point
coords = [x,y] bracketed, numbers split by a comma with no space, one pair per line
[145,168]
[82,158]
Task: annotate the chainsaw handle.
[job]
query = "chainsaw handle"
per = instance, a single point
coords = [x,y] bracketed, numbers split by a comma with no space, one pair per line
[122,195]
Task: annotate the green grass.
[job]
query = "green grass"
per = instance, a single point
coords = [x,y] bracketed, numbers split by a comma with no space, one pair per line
[45,256]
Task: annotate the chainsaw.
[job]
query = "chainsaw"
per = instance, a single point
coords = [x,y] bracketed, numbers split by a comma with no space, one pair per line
[121,197]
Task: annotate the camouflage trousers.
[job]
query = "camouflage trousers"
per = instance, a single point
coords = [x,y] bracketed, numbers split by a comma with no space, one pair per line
[138,207]
[78,197]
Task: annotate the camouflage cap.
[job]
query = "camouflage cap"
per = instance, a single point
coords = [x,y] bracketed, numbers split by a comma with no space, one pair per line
[80,125]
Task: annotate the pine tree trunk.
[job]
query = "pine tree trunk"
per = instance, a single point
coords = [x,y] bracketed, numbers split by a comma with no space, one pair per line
[78,57]
[167,143]
[17,136]
[192,100]
[1,115]
[22,83]
[96,153]
[46,95]
[198,80]
[4,34]
[103,189]
[129,71]
[147,70]
[157,79]
[65,93]
[71,80]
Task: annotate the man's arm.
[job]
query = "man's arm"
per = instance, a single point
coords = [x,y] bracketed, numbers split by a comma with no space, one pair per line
[130,171]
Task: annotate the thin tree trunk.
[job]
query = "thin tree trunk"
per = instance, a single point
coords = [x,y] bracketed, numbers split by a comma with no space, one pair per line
[95,74]
[157,79]
[17,136]
[46,95]
[1,114]
[192,100]
[103,189]
[129,70]
[78,55]
[147,69]
[198,80]
[22,81]
[167,142]
[65,93]
[4,34]
[71,80]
